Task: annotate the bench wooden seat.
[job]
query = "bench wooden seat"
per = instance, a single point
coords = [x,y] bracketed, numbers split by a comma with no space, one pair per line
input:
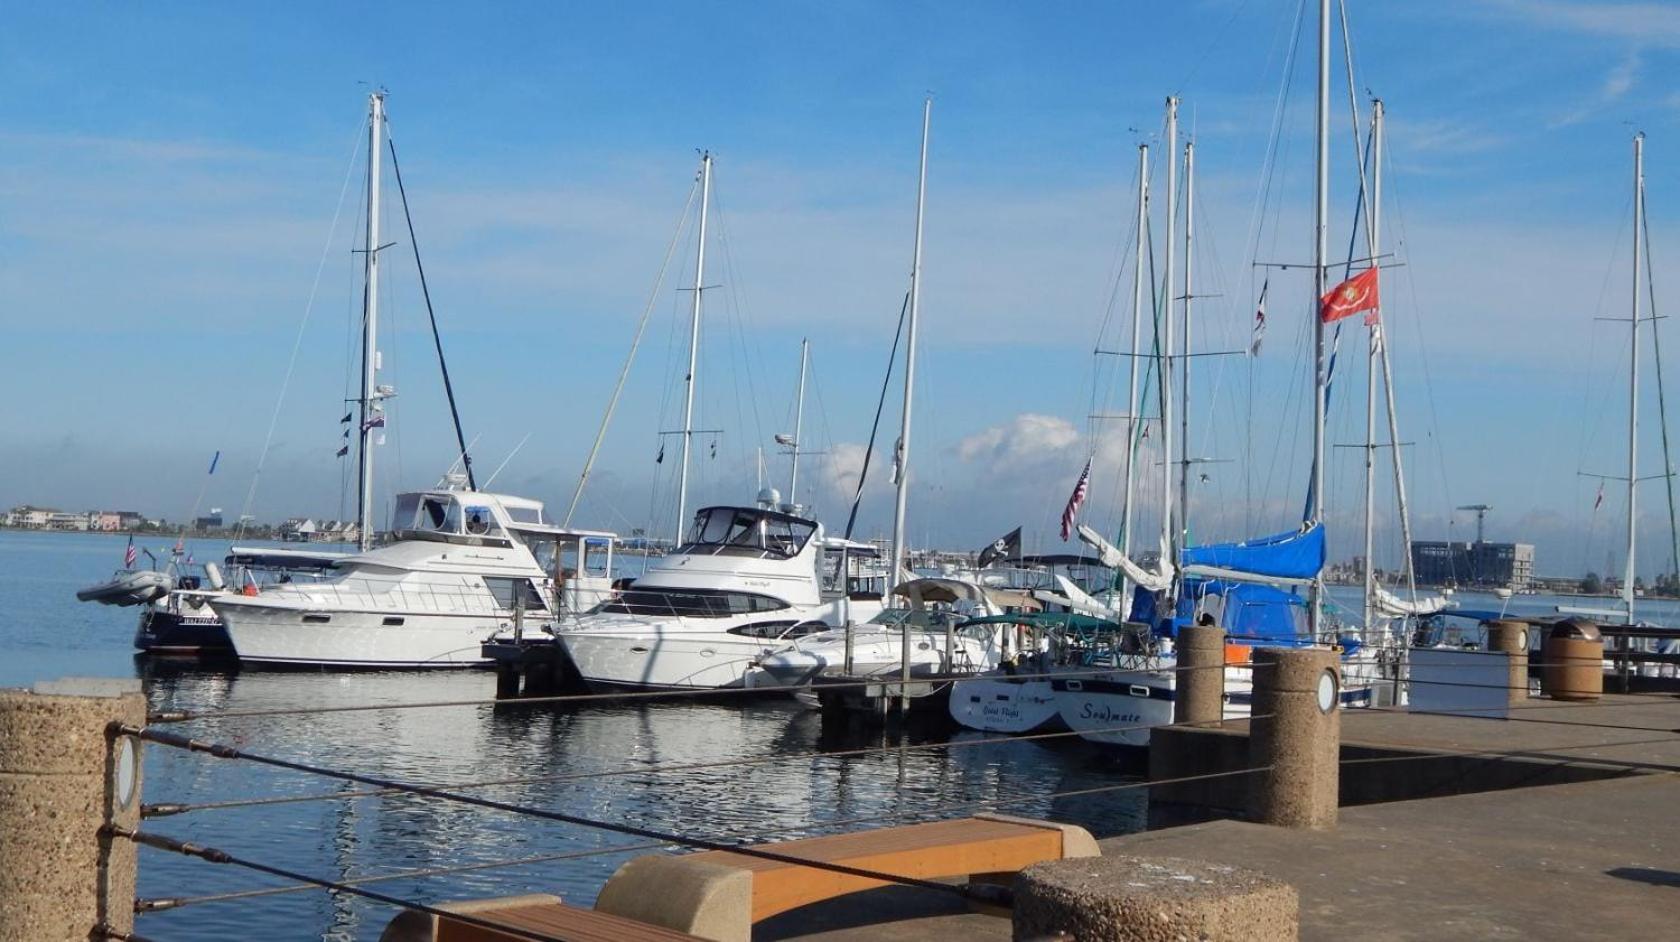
[720,894]
[538,913]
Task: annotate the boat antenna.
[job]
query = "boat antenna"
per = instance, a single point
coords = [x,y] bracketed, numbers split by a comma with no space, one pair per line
[437,339]
[515,451]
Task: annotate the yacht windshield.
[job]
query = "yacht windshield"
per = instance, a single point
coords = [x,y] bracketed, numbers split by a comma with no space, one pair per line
[691,603]
[740,531]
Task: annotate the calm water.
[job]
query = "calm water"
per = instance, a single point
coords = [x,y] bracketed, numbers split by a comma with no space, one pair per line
[48,634]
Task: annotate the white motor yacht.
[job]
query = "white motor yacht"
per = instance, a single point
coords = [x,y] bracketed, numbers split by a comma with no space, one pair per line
[457,565]
[930,606]
[747,580]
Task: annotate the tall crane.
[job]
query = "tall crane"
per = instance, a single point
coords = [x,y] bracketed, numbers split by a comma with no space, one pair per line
[1481,511]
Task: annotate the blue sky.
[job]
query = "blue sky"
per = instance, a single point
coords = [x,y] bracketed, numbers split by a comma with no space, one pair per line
[169,176]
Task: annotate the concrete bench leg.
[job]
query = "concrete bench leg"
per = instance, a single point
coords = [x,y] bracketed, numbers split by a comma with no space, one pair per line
[1143,899]
[709,900]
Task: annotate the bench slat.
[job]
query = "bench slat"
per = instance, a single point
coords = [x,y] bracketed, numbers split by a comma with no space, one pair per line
[559,921]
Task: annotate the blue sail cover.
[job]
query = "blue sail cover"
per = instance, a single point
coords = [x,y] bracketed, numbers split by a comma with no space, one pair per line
[1252,613]
[1294,555]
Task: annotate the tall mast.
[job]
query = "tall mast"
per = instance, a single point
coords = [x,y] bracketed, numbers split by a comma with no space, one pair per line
[1372,235]
[370,406]
[1321,251]
[1132,419]
[694,344]
[903,456]
[1395,453]
[1633,368]
[1184,366]
[799,421]
[1168,531]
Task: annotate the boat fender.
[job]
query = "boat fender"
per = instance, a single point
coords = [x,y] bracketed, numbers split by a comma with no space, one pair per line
[248,589]
[213,576]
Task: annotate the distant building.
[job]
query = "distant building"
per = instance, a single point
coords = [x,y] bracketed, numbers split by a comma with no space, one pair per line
[1491,564]
[298,530]
[208,522]
[67,521]
[105,521]
[130,520]
[29,518]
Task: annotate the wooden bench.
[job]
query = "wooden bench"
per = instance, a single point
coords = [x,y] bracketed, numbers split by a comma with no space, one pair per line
[537,913]
[719,895]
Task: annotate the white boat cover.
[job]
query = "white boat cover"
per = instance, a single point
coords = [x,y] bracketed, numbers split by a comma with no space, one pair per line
[1390,604]
[1111,556]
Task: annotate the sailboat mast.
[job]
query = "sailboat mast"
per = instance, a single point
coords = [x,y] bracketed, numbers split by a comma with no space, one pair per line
[1633,369]
[1169,534]
[1184,366]
[799,421]
[1132,420]
[1321,251]
[1396,454]
[693,345]
[370,407]
[903,451]
[1371,339]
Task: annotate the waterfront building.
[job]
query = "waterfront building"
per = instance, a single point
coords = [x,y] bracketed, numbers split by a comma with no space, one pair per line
[1440,562]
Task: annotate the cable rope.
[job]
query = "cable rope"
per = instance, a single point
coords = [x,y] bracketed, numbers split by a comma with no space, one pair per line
[1662,402]
[214,855]
[171,809]
[164,904]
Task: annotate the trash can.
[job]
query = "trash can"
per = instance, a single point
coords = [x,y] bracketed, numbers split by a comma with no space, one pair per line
[1572,660]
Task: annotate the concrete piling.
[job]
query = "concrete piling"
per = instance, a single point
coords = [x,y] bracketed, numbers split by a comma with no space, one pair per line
[1295,735]
[1511,638]
[1200,693]
[64,775]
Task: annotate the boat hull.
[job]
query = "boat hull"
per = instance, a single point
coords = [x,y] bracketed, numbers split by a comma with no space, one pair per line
[165,632]
[996,703]
[272,635]
[662,658]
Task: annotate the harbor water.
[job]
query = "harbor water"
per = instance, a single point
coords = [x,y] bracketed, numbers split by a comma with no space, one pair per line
[601,761]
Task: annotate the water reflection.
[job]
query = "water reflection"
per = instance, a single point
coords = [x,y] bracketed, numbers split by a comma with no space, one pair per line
[815,780]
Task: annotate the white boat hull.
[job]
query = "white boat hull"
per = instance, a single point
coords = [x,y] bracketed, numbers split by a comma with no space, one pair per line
[284,635]
[654,655]
[994,703]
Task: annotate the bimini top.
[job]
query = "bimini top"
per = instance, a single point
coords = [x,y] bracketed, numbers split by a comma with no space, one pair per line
[475,515]
[923,591]
[1298,554]
[747,531]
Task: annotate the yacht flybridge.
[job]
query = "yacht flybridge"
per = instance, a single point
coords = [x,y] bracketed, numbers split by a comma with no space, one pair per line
[745,581]
[458,565]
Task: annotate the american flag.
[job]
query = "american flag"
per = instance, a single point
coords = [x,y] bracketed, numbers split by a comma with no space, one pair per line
[1079,491]
[129,555]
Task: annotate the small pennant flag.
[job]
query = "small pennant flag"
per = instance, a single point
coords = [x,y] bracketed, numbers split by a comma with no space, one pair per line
[345,450]
[347,417]
[1080,489]
[214,460]
[1259,320]
[1356,294]
[378,421]
[1600,498]
[128,554]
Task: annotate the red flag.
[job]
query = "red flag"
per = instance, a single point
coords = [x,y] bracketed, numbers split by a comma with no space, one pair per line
[1075,500]
[1356,294]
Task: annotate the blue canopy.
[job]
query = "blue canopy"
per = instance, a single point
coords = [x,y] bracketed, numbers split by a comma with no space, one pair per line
[1298,554]
[1253,613]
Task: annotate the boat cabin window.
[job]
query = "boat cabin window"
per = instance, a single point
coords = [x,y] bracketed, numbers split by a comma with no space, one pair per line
[597,557]
[743,531]
[402,518]
[440,514]
[524,514]
[691,603]
[506,592]
[481,521]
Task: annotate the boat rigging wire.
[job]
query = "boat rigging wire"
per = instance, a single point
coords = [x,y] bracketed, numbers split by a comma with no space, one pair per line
[874,429]
[1662,402]
[630,358]
[426,292]
[297,341]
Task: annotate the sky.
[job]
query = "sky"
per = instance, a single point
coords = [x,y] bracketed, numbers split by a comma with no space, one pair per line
[181,199]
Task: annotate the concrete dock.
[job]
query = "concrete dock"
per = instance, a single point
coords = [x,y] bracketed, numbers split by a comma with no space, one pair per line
[1477,852]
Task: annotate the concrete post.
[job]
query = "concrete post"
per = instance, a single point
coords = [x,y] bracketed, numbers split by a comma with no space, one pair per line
[1511,638]
[64,775]
[1297,732]
[1200,693]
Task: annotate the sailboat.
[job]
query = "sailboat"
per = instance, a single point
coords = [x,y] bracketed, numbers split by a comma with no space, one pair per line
[459,562]
[1253,589]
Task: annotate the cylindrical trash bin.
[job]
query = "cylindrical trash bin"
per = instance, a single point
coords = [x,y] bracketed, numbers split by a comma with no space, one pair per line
[1572,661]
